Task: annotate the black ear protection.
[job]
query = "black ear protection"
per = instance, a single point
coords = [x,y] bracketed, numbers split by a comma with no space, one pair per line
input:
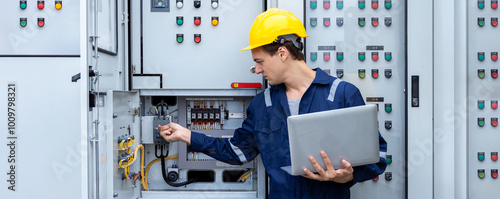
[299,45]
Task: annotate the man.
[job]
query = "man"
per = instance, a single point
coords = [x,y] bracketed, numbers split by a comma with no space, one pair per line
[295,89]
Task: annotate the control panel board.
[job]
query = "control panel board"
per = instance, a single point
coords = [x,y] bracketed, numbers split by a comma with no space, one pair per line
[482,66]
[363,42]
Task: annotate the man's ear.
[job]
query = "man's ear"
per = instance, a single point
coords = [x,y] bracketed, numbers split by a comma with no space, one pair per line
[283,53]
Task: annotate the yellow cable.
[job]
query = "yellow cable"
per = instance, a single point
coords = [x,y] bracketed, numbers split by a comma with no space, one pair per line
[245,177]
[149,166]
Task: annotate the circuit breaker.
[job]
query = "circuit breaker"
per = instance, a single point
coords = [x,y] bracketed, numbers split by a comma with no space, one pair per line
[482,73]
[363,42]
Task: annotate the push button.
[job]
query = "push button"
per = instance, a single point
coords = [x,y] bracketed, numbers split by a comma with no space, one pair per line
[326,4]
[340,56]
[494,121]
[326,56]
[23,22]
[388,108]
[179,20]
[197,21]
[41,22]
[58,5]
[494,156]
[374,4]
[361,4]
[215,4]
[480,73]
[361,56]
[480,56]
[314,21]
[480,156]
[326,21]
[388,176]
[179,3]
[374,56]
[494,21]
[215,21]
[494,173]
[494,4]
[494,73]
[480,173]
[197,38]
[388,73]
[375,21]
[494,56]
[375,73]
[340,4]
[361,21]
[480,104]
[22,5]
[314,56]
[388,56]
[480,122]
[375,179]
[388,159]
[494,104]
[314,4]
[480,21]
[340,21]
[480,4]
[388,4]
[180,38]
[40,5]
[361,73]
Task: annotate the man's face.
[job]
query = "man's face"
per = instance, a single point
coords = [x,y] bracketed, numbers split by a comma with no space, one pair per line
[269,66]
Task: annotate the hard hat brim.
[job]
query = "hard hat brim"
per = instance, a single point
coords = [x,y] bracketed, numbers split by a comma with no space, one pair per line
[247,48]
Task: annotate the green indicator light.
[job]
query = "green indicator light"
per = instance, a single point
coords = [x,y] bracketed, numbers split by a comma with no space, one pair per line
[23,6]
[481,175]
[480,105]
[481,5]
[362,23]
[481,124]
[388,160]
[23,23]
[480,157]
[314,23]
[481,23]
[314,5]
[179,22]
[362,75]
[388,109]
[480,57]
[340,5]
[179,39]
[314,57]
[362,5]
[388,5]
[362,57]
[388,57]
[481,75]
[340,57]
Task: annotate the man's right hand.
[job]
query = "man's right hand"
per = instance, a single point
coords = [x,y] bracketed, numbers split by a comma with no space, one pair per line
[173,132]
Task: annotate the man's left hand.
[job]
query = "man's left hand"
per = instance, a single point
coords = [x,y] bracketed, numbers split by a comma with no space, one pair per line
[337,175]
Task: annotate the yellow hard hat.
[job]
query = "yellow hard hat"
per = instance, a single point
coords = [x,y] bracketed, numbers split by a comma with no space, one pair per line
[273,23]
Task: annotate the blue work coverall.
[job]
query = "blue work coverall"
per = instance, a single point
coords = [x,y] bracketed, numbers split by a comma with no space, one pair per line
[265,131]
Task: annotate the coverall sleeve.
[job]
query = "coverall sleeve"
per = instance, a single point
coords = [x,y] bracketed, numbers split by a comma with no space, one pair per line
[365,172]
[241,148]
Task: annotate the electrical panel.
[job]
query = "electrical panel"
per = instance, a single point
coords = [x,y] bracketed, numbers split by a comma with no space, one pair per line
[363,42]
[40,28]
[482,92]
[196,41]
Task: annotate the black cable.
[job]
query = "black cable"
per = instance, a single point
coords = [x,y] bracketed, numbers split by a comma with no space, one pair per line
[173,184]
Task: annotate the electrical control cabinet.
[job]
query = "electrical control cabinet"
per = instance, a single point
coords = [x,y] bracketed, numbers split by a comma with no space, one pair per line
[38,28]
[196,41]
[363,42]
[482,98]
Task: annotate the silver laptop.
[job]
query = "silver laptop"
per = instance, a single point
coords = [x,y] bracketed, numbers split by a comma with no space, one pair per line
[348,133]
